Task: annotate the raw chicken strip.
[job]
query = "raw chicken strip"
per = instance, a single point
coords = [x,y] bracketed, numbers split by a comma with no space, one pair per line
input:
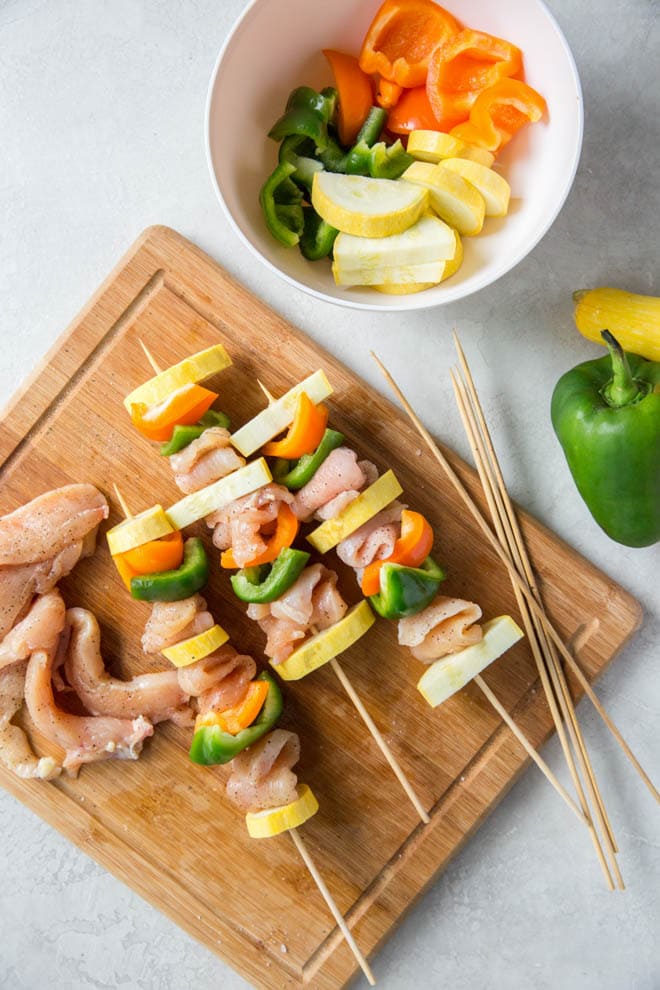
[205,460]
[446,626]
[157,696]
[261,775]
[239,525]
[374,540]
[85,738]
[15,751]
[340,472]
[313,600]
[43,527]
[172,622]
[38,630]
[220,680]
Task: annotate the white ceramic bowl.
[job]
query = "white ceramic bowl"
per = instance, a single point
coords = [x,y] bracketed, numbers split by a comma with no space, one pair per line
[276,45]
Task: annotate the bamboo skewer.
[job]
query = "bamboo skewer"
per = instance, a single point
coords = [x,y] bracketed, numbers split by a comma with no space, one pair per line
[506,559]
[516,544]
[538,644]
[297,838]
[345,682]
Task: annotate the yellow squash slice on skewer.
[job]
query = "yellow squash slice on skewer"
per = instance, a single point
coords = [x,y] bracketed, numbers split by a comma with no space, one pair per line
[190,371]
[359,511]
[327,644]
[273,821]
[197,647]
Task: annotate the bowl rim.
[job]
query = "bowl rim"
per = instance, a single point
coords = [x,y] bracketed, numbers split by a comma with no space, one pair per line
[413,301]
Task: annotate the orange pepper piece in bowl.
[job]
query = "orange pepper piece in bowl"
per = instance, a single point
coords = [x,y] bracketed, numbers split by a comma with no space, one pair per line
[354,91]
[401,37]
[464,67]
[499,113]
[413,112]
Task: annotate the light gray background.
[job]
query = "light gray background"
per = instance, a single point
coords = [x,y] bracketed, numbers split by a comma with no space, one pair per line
[101,116]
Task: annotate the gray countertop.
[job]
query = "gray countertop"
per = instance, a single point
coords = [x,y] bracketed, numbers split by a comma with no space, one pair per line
[101,113]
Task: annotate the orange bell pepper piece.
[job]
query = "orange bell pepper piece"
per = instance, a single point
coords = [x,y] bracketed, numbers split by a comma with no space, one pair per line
[165,554]
[305,433]
[463,68]
[413,112]
[234,720]
[355,94]
[412,548]
[499,112]
[286,530]
[388,93]
[401,37]
[182,408]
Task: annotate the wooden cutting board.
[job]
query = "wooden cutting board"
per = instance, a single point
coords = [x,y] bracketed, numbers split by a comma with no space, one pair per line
[163,825]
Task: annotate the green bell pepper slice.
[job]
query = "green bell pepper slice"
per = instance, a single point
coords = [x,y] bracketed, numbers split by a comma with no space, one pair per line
[172,586]
[211,746]
[268,582]
[407,590]
[284,220]
[380,161]
[307,114]
[318,237]
[304,469]
[606,414]
[184,435]
[299,151]
[336,159]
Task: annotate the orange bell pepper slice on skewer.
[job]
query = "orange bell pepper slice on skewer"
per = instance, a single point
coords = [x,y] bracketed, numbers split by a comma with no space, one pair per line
[305,433]
[401,37]
[240,716]
[464,67]
[286,530]
[355,94]
[412,548]
[153,557]
[499,113]
[182,408]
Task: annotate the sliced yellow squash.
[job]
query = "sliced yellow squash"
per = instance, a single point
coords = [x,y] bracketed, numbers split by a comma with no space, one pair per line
[428,240]
[495,190]
[191,370]
[449,674]
[273,821]
[193,507]
[433,146]
[365,207]
[279,414]
[452,266]
[455,200]
[406,289]
[197,647]
[369,502]
[430,273]
[323,646]
[130,533]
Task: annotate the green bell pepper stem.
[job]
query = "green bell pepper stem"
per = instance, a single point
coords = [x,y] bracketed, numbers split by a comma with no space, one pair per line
[304,469]
[182,436]
[406,590]
[612,446]
[172,586]
[284,221]
[622,390]
[211,746]
[317,237]
[268,582]
[299,151]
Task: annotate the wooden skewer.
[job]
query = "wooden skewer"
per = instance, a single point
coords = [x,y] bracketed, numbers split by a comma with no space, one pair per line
[506,559]
[301,847]
[149,356]
[514,539]
[537,642]
[343,679]
[327,896]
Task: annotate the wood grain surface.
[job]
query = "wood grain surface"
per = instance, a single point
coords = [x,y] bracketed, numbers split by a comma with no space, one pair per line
[162,824]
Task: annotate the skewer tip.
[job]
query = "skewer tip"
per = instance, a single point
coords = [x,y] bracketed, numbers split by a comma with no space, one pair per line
[149,356]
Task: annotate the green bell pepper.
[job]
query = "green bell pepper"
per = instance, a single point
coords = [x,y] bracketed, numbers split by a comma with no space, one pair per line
[606,414]
[407,590]
[268,582]
[299,151]
[184,435]
[303,470]
[307,114]
[211,746]
[380,161]
[172,586]
[336,159]
[317,237]
[284,220]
